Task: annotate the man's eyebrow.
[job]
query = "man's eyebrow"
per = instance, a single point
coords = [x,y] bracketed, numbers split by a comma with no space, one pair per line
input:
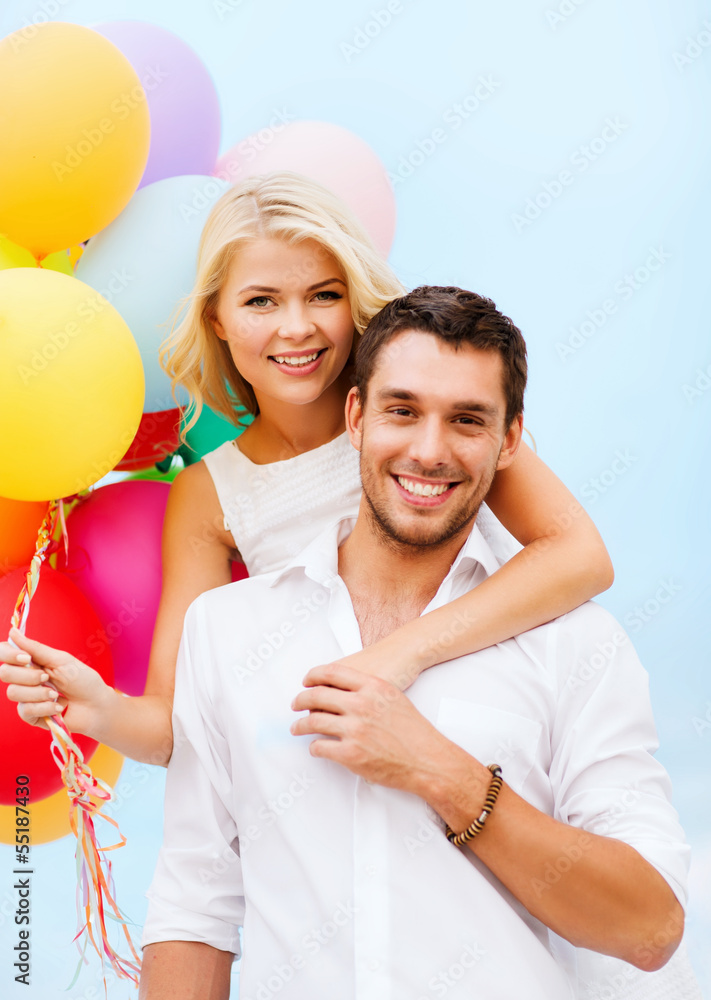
[311,288]
[470,405]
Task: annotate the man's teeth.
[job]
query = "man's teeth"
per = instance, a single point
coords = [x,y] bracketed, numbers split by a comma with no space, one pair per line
[422,489]
[297,362]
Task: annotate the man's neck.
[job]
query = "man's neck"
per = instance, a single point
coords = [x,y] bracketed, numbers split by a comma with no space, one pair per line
[391,583]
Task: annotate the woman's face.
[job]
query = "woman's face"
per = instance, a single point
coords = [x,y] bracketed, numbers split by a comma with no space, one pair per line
[285,314]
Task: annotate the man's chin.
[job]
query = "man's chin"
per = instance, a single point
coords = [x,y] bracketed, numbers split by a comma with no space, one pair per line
[423,535]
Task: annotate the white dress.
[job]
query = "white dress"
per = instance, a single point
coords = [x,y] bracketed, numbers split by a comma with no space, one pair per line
[275,510]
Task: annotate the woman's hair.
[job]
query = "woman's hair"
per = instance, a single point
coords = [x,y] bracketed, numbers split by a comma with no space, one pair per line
[284,206]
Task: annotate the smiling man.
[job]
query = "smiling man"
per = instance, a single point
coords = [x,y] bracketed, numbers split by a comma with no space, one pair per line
[502,830]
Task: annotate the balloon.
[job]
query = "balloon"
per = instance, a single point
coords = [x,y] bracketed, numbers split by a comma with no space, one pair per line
[74,134]
[156,438]
[115,560]
[19,524]
[63,260]
[210,431]
[49,817]
[60,616]
[71,385]
[11,255]
[326,153]
[151,252]
[183,104]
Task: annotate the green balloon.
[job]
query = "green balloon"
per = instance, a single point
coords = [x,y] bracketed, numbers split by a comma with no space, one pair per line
[209,432]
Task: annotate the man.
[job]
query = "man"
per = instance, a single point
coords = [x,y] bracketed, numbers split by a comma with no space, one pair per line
[331,851]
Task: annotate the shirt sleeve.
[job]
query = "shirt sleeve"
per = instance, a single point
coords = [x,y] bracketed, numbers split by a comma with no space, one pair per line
[604,775]
[197,892]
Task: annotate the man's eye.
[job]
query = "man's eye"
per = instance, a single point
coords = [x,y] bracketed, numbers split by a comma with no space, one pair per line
[259,301]
[469,421]
[401,411]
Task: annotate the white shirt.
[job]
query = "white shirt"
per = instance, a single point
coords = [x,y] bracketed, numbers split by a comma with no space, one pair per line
[349,889]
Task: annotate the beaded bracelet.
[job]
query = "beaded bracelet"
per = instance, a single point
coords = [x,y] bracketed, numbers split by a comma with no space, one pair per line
[478,825]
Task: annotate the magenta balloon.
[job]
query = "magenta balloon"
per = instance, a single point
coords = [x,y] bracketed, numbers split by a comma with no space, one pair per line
[115,560]
[329,154]
[182,100]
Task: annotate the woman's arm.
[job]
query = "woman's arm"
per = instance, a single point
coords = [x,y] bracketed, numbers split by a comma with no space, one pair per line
[564,563]
[196,557]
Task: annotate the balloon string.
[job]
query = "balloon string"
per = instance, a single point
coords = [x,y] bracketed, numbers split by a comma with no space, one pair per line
[95,887]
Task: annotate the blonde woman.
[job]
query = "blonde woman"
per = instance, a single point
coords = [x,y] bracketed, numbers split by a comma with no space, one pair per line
[287,280]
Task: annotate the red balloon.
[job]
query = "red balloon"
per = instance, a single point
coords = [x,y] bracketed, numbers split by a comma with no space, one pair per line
[156,438]
[59,616]
[239,571]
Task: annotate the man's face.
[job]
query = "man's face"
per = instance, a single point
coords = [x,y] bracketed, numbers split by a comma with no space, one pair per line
[431,437]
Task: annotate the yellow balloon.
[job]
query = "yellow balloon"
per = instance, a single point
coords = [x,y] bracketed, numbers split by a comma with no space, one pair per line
[71,385]
[74,135]
[13,256]
[49,818]
[61,260]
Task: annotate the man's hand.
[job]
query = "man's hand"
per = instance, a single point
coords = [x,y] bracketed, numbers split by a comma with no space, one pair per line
[76,687]
[379,733]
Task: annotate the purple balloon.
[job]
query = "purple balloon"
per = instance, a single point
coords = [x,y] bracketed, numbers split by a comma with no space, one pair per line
[182,100]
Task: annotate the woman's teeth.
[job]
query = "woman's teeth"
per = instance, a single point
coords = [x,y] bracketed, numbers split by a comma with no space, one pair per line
[296,362]
[422,489]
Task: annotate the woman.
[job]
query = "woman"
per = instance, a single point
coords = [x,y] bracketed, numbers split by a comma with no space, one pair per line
[286,281]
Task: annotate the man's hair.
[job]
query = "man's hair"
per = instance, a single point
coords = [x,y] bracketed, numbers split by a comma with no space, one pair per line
[457,317]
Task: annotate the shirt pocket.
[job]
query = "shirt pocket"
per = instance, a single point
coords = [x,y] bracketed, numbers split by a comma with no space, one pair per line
[493,736]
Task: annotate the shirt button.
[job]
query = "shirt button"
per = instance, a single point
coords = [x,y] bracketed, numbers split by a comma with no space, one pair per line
[370,869]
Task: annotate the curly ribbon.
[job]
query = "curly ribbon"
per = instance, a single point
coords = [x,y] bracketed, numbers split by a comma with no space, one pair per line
[95,887]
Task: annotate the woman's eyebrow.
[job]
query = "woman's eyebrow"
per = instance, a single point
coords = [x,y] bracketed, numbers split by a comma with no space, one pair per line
[311,288]
[328,281]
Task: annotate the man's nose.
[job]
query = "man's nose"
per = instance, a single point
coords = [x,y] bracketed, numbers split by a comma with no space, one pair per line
[429,444]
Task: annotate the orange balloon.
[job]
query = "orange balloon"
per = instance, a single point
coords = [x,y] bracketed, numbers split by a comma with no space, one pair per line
[49,818]
[19,523]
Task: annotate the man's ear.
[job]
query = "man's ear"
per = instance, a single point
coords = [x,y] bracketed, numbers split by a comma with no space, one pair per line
[354,418]
[511,444]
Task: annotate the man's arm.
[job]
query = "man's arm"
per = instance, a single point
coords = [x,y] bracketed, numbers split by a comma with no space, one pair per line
[185,970]
[610,900]
[602,895]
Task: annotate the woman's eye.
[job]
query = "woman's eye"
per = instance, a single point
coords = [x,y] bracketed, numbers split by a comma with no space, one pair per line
[328,295]
[259,301]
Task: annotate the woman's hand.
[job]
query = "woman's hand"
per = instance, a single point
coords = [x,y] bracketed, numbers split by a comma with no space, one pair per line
[388,661]
[76,690]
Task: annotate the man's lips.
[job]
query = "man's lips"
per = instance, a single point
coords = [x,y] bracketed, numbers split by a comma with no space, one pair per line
[424,492]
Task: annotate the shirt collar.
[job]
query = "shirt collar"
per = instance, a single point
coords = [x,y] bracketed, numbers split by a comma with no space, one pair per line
[319,560]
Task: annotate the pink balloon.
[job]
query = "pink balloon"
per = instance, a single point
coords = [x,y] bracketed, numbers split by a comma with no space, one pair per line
[182,100]
[115,560]
[329,154]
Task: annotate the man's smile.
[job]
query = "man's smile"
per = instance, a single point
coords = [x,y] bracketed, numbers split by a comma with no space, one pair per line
[424,492]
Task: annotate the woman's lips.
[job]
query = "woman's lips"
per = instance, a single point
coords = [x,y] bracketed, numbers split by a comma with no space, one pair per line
[298,369]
